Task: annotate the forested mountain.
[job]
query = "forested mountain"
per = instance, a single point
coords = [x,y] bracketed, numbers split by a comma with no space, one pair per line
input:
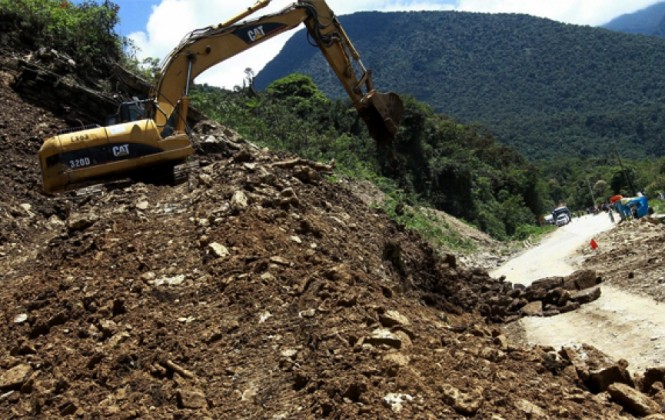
[547,88]
[648,21]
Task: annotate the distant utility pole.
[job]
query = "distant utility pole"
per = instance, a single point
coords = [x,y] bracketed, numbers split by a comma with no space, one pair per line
[623,170]
[593,199]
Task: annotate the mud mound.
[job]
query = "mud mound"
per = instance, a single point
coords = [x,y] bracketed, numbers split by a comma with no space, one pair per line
[259,289]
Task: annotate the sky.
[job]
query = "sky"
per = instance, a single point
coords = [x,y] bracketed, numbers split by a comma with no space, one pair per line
[157,26]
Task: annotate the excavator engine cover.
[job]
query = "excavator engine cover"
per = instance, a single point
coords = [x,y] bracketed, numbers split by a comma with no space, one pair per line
[382,113]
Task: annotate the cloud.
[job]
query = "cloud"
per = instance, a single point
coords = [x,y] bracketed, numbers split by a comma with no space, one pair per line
[581,12]
[171,20]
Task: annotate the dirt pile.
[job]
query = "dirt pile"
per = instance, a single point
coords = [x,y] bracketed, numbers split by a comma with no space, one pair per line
[632,257]
[259,289]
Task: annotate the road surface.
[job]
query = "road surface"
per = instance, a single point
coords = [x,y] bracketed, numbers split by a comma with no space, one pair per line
[555,255]
[621,324]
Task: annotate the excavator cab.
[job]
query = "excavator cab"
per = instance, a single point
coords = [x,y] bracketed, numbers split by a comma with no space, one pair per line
[133,110]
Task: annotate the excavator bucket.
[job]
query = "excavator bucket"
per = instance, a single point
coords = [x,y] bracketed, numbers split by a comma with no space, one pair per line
[382,113]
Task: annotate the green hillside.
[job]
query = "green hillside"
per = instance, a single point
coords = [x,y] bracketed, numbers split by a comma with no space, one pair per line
[547,88]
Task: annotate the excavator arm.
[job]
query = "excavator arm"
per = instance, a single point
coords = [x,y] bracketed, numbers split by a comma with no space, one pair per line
[206,47]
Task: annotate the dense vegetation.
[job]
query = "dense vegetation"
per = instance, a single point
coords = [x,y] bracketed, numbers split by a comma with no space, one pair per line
[548,89]
[84,32]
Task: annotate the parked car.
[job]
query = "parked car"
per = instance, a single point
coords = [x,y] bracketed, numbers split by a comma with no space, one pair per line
[562,219]
[561,216]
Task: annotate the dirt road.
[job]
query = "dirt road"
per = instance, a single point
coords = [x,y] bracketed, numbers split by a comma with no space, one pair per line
[621,324]
[555,255]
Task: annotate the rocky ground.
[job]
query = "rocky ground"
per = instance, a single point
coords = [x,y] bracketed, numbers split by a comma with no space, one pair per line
[632,257]
[261,289]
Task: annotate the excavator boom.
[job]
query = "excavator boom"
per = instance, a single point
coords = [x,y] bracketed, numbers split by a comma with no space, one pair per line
[206,47]
[162,139]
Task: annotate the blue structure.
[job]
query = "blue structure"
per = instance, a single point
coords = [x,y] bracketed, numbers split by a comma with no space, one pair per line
[634,207]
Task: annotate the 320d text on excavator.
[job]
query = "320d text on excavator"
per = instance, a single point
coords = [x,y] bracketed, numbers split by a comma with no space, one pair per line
[153,134]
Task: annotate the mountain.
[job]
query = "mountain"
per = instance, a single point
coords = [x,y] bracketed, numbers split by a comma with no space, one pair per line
[648,21]
[547,88]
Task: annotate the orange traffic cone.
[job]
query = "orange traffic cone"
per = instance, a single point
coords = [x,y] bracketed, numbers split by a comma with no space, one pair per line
[593,244]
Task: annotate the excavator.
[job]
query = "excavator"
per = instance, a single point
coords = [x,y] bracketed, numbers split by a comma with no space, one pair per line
[152,135]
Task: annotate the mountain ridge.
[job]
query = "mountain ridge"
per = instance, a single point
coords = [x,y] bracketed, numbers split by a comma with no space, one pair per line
[647,21]
[534,82]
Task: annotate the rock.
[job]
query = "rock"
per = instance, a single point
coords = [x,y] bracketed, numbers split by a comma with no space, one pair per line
[581,279]
[20,318]
[307,313]
[392,318]
[533,308]
[568,307]
[465,403]
[244,155]
[268,276]
[78,221]
[239,201]
[398,359]
[651,376]
[117,339]
[586,295]
[142,205]
[289,353]
[547,283]
[288,197]
[306,174]
[493,355]
[14,378]
[633,400]
[659,397]
[501,341]
[219,250]
[382,336]
[396,401]
[600,380]
[206,179]
[193,399]
[68,408]
[597,370]
[531,410]
[27,207]
[280,261]
[170,281]
[107,327]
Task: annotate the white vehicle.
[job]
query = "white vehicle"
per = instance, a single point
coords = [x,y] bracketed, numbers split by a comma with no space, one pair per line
[562,219]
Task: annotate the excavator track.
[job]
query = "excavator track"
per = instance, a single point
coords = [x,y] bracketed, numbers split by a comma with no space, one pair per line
[166,174]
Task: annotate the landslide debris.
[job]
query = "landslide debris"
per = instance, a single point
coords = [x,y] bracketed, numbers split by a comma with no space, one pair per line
[632,257]
[260,288]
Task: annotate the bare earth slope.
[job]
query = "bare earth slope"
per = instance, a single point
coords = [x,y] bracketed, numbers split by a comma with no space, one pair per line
[257,290]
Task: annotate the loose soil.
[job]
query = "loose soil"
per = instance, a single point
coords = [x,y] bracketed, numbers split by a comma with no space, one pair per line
[258,289]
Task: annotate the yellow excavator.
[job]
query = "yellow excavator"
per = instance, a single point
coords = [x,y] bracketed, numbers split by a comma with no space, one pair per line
[151,135]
